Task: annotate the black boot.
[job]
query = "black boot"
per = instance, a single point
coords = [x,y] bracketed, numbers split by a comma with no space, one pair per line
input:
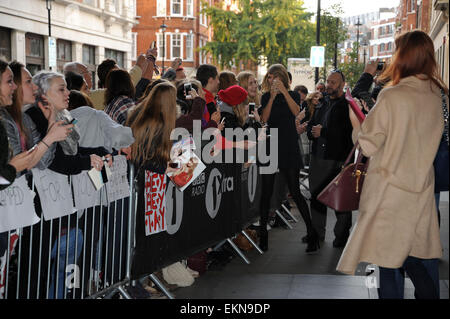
[313,242]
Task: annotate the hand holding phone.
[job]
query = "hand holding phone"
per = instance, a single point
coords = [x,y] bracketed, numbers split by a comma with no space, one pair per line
[187,90]
[32,149]
[251,109]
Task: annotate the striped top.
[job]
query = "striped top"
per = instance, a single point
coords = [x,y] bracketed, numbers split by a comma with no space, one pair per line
[118,108]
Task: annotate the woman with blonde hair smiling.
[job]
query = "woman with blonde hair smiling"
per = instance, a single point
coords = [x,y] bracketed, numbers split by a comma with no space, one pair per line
[247,80]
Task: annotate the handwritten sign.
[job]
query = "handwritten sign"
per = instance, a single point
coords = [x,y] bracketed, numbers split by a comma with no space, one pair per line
[54,192]
[16,206]
[117,186]
[155,203]
[84,192]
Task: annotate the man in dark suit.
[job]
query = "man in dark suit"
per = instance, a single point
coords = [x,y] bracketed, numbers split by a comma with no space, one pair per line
[331,133]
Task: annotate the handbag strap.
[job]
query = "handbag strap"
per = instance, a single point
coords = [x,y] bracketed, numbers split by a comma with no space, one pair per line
[445,113]
[351,154]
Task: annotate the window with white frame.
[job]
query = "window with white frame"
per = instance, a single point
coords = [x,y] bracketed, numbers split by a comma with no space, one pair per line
[175,46]
[161,9]
[176,7]
[190,8]
[189,47]
[161,46]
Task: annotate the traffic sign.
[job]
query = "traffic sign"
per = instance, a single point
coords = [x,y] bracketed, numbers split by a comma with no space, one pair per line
[317,57]
[52,52]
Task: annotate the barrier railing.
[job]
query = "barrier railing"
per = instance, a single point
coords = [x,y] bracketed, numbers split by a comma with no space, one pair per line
[81,243]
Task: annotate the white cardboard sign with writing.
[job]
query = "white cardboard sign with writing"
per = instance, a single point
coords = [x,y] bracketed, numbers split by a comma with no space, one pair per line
[117,186]
[16,206]
[54,192]
[84,192]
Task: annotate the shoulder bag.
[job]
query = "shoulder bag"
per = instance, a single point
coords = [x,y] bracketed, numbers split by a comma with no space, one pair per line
[344,191]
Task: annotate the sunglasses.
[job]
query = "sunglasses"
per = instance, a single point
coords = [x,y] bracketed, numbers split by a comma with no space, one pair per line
[340,72]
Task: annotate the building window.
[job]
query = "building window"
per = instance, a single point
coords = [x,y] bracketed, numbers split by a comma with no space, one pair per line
[161,46]
[412,5]
[176,7]
[161,9]
[389,46]
[118,56]
[34,50]
[382,47]
[189,47]
[176,46]
[63,53]
[190,8]
[5,44]
[89,61]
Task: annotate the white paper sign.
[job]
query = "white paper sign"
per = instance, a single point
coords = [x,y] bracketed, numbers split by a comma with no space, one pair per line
[84,192]
[54,192]
[117,186]
[16,206]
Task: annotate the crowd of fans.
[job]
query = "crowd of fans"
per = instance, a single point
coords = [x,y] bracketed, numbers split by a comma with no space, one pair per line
[133,113]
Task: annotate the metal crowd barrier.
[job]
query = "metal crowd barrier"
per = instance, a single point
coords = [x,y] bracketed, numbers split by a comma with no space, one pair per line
[70,257]
[90,253]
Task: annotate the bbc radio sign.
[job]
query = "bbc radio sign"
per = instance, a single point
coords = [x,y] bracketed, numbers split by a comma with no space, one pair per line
[317,57]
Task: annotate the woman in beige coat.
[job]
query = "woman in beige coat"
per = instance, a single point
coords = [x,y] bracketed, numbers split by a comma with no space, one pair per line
[397,227]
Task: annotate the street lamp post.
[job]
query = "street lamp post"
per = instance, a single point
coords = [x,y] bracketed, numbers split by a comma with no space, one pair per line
[163,29]
[317,36]
[357,41]
[336,44]
[49,8]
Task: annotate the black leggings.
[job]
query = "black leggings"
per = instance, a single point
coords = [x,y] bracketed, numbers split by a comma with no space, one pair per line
[292,176]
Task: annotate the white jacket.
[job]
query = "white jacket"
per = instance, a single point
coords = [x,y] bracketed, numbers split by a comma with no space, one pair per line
[98,129]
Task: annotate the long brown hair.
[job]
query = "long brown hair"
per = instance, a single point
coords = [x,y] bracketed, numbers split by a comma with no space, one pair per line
[15,109]
[414,55]
[153,124]
[226,79]
[277,70]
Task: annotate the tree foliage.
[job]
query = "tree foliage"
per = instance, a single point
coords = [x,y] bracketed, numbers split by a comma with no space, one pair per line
[275,29]
[352,69]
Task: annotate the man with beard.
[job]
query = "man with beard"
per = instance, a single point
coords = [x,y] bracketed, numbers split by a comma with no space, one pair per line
[331,133]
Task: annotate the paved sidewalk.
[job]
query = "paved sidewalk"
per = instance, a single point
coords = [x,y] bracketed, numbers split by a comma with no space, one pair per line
[285,271]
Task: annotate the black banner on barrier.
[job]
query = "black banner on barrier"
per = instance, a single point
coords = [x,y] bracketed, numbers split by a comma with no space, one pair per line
[204,214]
[250,192]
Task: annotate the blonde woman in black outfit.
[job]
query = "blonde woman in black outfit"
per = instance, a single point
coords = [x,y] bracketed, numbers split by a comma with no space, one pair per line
[280,107]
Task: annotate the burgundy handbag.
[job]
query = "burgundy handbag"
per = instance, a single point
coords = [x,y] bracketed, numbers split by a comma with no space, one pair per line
[343,193]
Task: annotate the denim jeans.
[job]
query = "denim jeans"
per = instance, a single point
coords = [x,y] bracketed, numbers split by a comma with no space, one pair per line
[424,274]
[62,260]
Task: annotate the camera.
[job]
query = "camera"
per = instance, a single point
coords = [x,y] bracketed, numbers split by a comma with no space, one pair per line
[380,66]
[251,109]
[187,89]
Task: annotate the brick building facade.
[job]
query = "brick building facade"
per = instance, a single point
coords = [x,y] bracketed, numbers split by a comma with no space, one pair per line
[413,14]
[187,29]
[382,39]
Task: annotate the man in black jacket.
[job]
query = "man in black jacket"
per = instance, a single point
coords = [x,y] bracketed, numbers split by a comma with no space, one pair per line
[331,133]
